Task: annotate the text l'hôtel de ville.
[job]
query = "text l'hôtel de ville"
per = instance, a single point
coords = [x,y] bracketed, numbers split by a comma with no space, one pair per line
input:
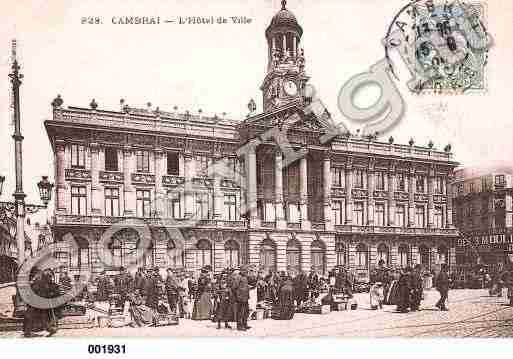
[181,20]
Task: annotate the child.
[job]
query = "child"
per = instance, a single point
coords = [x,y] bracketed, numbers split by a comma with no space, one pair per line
[376,296]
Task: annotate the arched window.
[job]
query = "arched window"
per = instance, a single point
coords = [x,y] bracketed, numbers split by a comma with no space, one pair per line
[175,255]
[268,255]
[442,255]
[361,255]
[123,248]
[293,257]
[318,257]
[424,257]
[203,253]
[341,252]
[231,254]
[383,253]
[404,255]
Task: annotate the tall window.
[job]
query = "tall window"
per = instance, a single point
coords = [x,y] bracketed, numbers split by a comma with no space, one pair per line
[438,217]
[123,248]
[379,215]
[361,255]
[143,203]
[358,179]
[268,255]
[294,215]
[173,164]
[202,163]
[318,255]
[500,180]
[425,257]
[400,216]
[419,216]
[143,161]
[439,185]
[340,250]
[230,203]
[383,253]
[404,255]
[203,253]
[111,202]
[401,182]
[202,206]
[174,205]
[358,213]
[111,159]
[231,254]
[420,184]
[380,181]
[77,156]
[337,174]
[78,200]
[293,252]
[336,209]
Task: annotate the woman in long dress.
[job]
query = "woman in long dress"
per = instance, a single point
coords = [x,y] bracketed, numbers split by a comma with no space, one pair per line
[203,300]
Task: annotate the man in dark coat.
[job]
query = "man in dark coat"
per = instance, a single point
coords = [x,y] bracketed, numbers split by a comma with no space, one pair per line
[223,297]
[417,289]
[301,288]
[287,299]
[171,286]
[40,318]
[152,291]
[442,285]
[124,284]
[404,288]
[240,290]
[139,281]
[313,284]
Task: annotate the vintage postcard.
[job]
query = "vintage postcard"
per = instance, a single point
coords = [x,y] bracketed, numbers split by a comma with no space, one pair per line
[256,169]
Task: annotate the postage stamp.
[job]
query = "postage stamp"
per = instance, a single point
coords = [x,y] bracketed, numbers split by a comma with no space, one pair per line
[445,45]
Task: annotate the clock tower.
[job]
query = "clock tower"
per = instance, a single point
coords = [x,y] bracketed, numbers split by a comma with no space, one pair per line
[285,78]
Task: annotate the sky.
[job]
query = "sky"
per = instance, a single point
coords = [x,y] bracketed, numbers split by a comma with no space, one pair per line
[219,68]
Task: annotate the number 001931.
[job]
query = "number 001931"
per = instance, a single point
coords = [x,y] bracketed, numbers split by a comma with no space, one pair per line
[106,349]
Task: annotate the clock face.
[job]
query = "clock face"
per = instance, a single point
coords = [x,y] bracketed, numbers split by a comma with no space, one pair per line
[290,88]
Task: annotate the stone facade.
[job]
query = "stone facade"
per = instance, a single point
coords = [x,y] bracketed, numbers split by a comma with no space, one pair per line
[483,211]
[288,202]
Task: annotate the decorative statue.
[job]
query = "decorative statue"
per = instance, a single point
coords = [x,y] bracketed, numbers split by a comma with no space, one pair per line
[301,60]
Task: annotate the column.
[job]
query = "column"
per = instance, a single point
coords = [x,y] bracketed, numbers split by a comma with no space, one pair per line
[329,225]
[394,254]
[96,200]
[278,186]
[414,254]
[218,194]
[370,190]
[373,255]
[281,252]
[294,46]
[431,200]
[60,188]
[392,185]
[411,198]
[128,169]
[449,206]
[284,44]
[181,165]
[188,193]
[252,185]
[160,171]
[303,168]
[305,260]
[331,257]
[349,173]
[452,256]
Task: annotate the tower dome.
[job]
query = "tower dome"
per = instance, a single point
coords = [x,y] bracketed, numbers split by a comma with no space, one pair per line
[284,21]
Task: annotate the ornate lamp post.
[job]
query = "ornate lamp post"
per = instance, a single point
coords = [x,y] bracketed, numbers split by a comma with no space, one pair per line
[17,209]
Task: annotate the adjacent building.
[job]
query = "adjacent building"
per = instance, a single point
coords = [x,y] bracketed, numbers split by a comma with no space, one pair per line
[483,211]
[290,201]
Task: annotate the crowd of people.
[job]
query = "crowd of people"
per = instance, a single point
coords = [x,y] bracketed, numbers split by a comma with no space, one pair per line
[234,295]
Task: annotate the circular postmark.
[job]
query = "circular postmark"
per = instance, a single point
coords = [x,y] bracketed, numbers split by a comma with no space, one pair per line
[444,44]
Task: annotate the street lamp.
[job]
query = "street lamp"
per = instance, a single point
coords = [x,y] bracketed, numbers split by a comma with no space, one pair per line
[16,210]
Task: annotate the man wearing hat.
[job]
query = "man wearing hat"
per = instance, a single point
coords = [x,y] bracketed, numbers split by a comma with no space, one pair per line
[240,290]
[417,289]
[171,286]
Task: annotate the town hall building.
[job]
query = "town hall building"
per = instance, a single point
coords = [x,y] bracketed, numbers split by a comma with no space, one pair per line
[146,176]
